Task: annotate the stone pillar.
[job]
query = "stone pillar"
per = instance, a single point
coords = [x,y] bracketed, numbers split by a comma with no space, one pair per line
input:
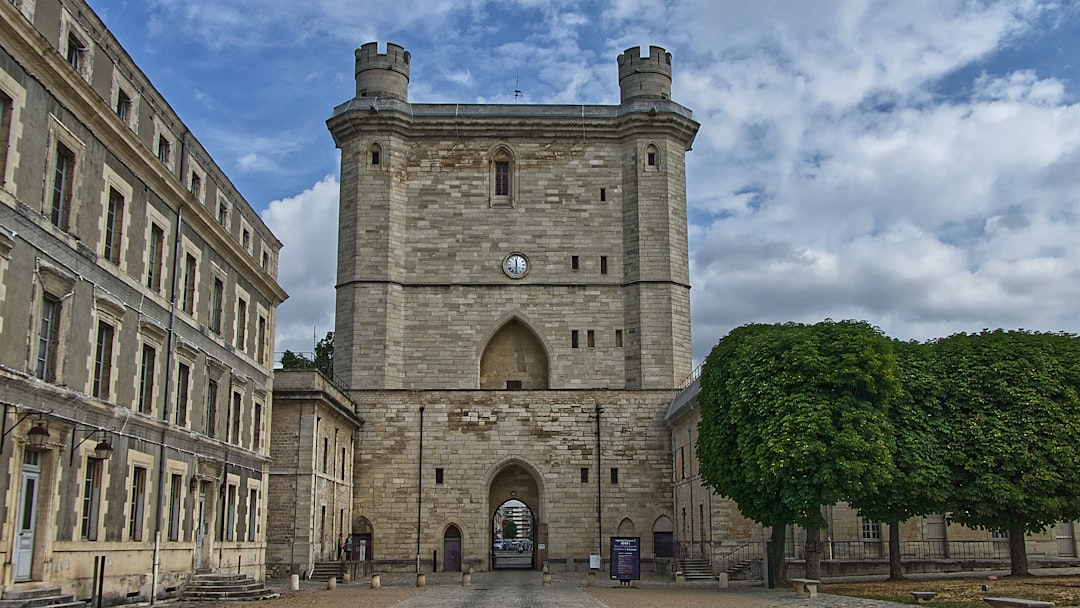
[331,583]
[294,582]
[376,581]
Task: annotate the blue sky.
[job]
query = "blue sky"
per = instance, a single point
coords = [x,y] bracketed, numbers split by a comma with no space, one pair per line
[915,164]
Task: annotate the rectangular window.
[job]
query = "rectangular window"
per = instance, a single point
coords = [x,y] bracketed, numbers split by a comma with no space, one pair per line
[573,338]
[603,264]
[137,503]
[241,324]
[63,175]
[245,239]
[614,475]
[375,157]
[6,107]
[217,296]
[75,50]
[590,338]
[146,378]
[513,385]
[237,401]
[211,408]
[196,184]
[652,158]
[682,462]
[155,263]
[114,226]
[502,178]
[103,348]
[584,474]
[123,105]
[343,463]
[163,149]
[260,337]
[325,453]
[871,530]
[618,338]
[265,261]
[91,500]
[253,515]
[183,391]
[230,514]
[438,475]
[574,265]
[176,484]
[222,213]
[47,342]
[603,194]
[256,438]
[189,284]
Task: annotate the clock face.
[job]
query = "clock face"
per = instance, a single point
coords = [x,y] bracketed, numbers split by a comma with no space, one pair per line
[516,265]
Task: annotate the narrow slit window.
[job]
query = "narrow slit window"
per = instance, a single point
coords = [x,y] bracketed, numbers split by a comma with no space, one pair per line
[614,475]
[603,194]
[603,264]
[618,338]
[438,475]
[573,338]
[590,338]
[574,262]
[584,474]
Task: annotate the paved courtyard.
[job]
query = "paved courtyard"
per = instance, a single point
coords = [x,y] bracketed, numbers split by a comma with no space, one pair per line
[525,589]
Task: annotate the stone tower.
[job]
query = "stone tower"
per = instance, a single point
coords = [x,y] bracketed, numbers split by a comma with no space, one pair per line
[512,287]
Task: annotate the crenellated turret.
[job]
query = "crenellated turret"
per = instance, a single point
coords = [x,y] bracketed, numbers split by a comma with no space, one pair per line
[382,74]
[645,77]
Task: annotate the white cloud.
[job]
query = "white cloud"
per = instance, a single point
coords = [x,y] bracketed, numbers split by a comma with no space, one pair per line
[307,227]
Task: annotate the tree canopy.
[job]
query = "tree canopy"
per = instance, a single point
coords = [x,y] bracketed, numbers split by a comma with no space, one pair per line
[794,417]
[322,361]
[1012,400]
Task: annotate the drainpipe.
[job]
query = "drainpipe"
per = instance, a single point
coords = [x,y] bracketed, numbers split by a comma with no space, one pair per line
[419,487]
[599,505]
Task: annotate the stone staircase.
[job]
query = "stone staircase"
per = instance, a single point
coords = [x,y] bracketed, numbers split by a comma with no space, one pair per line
[323,571]
[219,587]
[696,569]
[39,598]
[738,567]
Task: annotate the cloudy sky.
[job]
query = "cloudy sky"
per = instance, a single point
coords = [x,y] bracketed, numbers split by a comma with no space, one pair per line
[914,164]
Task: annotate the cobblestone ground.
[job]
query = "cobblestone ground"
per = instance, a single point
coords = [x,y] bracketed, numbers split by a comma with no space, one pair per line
[524,589]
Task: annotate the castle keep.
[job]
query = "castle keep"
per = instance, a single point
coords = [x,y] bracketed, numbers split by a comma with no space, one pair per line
[512,314]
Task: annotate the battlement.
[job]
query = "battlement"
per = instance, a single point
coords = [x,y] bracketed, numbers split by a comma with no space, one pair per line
[645,77]
[382,74]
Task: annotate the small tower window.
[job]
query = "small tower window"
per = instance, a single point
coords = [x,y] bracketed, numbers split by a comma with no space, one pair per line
[603,264]
[652,158]
[573,338]
[376,154]
[501,177]
[603,194]
[574,262]
[590,338]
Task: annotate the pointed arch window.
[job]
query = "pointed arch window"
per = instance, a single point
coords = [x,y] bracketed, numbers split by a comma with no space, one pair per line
[652,159]
[502,177]
[375,155]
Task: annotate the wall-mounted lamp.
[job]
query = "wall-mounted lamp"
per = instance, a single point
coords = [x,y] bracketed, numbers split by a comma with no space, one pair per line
[38,435]
[102,451]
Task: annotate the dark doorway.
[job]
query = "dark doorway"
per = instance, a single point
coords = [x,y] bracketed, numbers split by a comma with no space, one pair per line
[452,550]
[513,536]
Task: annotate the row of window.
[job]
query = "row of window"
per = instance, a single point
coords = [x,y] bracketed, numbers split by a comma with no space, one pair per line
[125,104]
[440,475]
[90,515]
[575,263]
[590,338]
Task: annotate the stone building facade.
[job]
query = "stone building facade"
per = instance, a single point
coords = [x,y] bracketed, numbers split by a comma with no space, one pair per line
[137,299]
[512,312]
[309,509]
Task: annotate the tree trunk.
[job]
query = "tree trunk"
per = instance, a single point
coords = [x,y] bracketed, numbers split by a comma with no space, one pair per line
[896,568]
[777,561]
[814,549]
[1018,550]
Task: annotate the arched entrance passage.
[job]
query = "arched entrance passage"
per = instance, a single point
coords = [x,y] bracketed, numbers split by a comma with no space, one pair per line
[514,495]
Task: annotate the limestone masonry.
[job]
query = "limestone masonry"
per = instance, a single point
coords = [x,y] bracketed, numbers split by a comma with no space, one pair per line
[513,295]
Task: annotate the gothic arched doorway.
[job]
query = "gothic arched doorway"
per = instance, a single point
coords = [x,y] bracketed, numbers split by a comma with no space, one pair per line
[518,534]
[452,549]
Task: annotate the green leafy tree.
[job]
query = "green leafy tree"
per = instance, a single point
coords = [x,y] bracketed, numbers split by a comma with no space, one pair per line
[1013,400]
[793,417]
[323,361]
[920,480]
[509,530]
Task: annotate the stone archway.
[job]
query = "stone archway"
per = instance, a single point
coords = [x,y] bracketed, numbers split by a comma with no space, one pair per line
[517,481]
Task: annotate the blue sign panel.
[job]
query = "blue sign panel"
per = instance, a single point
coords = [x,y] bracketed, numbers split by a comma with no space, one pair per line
[625,558]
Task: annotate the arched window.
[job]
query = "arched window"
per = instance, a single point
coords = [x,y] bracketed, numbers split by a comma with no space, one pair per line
[502,177]
[652,158]
[375,155]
